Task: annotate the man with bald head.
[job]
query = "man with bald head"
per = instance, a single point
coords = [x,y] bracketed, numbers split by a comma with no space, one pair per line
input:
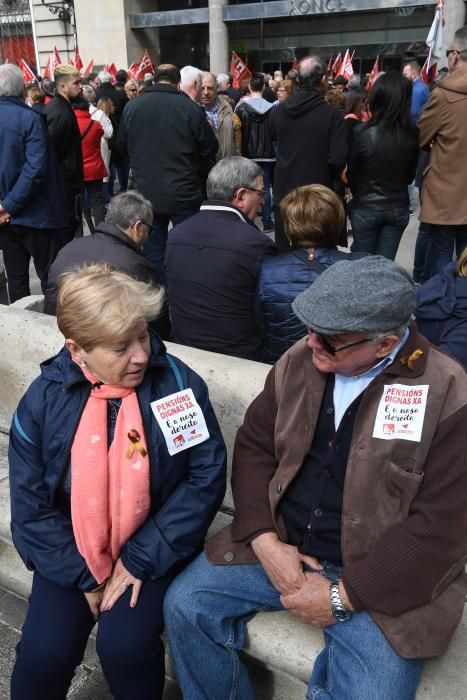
[220,115]
[310,136]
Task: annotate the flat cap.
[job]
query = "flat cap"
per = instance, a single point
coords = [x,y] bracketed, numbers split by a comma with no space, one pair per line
[369,295]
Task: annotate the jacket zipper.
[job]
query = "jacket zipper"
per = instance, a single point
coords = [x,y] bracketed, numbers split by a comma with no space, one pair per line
[68,453]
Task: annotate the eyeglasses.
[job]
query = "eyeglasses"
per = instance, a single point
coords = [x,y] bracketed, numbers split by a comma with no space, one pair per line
[332,350]
[252,189]
[450,51]
[145,223]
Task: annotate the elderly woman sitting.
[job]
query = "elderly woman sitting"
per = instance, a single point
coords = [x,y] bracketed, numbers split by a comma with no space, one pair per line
[313,217]
[117,468]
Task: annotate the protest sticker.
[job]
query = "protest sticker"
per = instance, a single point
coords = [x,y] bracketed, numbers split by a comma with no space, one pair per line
[401,412]
[181,420]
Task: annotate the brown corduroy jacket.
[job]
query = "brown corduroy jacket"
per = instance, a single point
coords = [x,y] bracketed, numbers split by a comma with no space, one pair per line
[404,516]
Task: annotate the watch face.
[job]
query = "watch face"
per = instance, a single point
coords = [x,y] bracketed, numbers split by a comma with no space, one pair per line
[341,614]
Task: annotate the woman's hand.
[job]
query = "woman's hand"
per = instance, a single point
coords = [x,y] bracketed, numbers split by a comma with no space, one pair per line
[117,585]
[94,599]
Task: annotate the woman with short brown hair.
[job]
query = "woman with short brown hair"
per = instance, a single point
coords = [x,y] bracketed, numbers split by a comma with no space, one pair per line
[313,217]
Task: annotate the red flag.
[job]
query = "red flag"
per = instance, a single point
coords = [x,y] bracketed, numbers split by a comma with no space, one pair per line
[145,66]
[88,68]
[28,75]
[112,69]
[336,66]
[77,60]
[346,68]
[52,62]
[295,64]
[428,71]
[132,71]
[238,70]
[56,57]
[374,72]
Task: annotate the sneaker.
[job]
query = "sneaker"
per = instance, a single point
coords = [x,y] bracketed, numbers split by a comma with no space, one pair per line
[268,227]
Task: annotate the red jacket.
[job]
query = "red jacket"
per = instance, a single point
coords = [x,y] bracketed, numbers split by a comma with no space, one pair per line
[94,166]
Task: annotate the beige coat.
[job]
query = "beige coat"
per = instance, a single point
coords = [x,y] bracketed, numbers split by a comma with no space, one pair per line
[225,131]
[443,123]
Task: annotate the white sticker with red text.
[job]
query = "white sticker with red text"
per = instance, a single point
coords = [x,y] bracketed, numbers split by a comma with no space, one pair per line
[181,420]
[401,412]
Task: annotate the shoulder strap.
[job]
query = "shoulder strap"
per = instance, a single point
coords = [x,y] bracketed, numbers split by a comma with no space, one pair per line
[87,130]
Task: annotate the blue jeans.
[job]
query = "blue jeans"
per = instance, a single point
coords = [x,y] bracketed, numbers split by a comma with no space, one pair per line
[378,231]
[154,248]
[206,609]
[422,256]
[267,170]
[57,626]
[442,242]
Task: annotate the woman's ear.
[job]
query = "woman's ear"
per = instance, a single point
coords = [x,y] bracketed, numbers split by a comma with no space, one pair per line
[75,350]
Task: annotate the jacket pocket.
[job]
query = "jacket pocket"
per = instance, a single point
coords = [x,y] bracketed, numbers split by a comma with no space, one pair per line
[402,487]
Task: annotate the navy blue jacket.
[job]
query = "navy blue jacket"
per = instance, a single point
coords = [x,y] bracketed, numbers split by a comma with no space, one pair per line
[30,186]
[212,264]
[186,489]
[281,279]
[441,312]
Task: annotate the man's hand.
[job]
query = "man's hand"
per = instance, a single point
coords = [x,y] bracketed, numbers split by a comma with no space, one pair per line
[117,585]
[281,563]
[94,599]
[4,216]
[312,603]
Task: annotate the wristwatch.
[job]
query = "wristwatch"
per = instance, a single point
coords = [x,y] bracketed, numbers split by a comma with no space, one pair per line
[337,607]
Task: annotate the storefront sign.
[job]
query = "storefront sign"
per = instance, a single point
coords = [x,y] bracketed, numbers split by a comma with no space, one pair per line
[266,10]
[316,7]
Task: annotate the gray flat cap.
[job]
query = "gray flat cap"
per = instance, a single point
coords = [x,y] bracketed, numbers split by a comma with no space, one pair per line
[369,295]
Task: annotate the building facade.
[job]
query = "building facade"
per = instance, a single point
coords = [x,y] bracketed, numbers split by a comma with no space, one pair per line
[267,34]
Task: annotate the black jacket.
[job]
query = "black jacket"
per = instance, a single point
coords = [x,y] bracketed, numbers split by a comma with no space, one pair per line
[171,148]
[381,165]
[311,142]
[212,264]
[118,97]
[257,142]
[63,128]
[108,244]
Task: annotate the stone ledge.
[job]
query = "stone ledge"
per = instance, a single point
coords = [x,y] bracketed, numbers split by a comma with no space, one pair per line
[282,648]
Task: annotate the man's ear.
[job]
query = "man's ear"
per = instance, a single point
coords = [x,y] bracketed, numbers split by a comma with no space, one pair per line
[386,345]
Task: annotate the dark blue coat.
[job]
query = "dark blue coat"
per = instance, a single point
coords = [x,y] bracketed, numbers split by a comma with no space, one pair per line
[30,186]
[281,279]
[186,489]
[441,312]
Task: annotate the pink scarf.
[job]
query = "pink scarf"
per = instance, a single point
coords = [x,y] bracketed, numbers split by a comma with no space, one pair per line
[109,487]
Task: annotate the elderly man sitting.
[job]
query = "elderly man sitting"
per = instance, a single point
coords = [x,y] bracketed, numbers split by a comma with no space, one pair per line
[350,490]
[213,261]
[117,241]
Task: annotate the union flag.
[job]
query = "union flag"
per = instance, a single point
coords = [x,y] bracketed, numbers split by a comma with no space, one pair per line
[238,70]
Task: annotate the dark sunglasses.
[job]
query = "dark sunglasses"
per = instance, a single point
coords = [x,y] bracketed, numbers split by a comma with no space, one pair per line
[332,350]
[450,51]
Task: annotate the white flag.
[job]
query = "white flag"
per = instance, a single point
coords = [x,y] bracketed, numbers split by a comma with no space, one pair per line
[435,35]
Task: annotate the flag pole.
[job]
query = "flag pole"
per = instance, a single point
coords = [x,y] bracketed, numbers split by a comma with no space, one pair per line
[34,37]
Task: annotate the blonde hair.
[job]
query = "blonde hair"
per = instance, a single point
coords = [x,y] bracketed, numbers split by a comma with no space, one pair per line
[97,304]
[461,267]
[105,104]
[65,71]
[313,215]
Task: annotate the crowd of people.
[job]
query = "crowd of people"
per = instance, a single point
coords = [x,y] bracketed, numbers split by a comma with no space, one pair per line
[349,472]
